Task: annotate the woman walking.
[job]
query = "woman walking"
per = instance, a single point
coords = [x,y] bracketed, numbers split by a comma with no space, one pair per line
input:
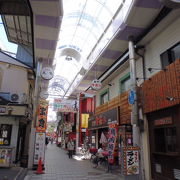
[70,147]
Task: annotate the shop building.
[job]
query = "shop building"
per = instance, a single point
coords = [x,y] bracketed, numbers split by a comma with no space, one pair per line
[15,109]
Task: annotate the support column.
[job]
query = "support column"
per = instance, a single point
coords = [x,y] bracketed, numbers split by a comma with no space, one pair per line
[77,124]
[134,115]
[33,124]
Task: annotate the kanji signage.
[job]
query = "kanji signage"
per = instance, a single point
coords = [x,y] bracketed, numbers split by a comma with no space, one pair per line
[42,116]
[39,147]
[163,121]
[84,120]
[112,136]
[131,160]
[104,119]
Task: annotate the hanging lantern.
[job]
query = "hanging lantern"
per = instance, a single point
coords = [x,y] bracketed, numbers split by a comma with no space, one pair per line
[96,84]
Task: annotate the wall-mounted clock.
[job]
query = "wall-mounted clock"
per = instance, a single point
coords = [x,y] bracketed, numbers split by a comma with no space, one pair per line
[47,73]
[44,94]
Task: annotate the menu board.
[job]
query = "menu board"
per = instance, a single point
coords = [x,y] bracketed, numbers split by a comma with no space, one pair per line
[39,147]
[5,157]
[112,136]
[131,160]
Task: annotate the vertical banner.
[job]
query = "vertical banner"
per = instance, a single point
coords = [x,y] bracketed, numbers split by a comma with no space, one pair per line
[131,160]
[112,141]
[84,120]
[42,116]
[39,151]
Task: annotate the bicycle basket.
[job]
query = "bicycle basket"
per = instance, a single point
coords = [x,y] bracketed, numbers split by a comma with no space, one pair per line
[93,150]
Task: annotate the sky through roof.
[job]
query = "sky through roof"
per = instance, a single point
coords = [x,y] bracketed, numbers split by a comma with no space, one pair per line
[83,25]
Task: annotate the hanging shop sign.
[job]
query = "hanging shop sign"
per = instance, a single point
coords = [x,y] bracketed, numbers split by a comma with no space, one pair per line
[5,157]
[112,141]
[163,121]
[47,73]
[39,147]
[84,120]
[103,119]
[96,84]
[42,116]
[131,160]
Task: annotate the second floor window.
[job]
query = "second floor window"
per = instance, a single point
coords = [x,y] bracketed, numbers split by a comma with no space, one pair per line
[125,83]
[170,55]
[104,97]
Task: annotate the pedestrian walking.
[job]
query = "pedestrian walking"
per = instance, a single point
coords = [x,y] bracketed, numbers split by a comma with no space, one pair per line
[70,146]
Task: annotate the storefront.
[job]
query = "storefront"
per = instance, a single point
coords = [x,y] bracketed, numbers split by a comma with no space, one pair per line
[11,138]
[164,138]
[99,128]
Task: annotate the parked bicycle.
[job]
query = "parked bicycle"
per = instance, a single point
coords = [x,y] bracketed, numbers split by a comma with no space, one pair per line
[98,159]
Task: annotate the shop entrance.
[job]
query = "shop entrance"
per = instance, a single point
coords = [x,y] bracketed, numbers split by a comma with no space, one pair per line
[164,137]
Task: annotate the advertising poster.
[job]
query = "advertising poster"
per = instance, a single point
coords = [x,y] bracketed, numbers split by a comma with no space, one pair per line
[131,160]
[112,136]
[42,116]
[5,157]
[39,147]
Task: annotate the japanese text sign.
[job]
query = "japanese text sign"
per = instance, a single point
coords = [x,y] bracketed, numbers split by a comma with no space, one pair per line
[131,160]
[42,116]
[111,141]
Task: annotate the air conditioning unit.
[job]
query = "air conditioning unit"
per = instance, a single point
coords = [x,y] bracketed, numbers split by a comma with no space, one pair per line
[20,98]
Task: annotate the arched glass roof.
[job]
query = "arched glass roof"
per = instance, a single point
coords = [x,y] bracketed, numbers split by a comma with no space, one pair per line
[83,25]
[84,22]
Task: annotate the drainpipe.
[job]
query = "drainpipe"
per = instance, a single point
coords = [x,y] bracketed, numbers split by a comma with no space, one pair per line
[143,60]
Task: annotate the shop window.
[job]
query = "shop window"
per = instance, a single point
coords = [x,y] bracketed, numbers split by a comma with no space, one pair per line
[125,83]
[166,140]
[5,134]
[170,55]
[104,97]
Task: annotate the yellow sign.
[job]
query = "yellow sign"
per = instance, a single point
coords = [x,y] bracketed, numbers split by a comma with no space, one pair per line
[84,120]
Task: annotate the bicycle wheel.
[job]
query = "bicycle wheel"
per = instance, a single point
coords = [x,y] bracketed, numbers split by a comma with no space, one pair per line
[95,161]
[92,157]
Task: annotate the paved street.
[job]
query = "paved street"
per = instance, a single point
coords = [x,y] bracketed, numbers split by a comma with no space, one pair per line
[59,167]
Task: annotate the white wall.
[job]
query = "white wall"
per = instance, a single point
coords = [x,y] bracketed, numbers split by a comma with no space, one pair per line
[14,79]
[14,121]
[166,39]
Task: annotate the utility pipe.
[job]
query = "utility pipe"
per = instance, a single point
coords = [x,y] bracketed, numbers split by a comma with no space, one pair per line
[134,116]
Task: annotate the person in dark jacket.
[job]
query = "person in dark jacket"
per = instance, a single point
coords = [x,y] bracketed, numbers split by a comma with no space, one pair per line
[46,141]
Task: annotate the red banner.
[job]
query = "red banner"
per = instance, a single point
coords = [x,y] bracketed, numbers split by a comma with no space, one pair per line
[42,116]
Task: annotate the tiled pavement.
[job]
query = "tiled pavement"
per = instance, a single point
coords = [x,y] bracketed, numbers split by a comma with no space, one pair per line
[59,167]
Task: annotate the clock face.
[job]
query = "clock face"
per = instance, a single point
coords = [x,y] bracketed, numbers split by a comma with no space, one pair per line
[47,73]
[44,94]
